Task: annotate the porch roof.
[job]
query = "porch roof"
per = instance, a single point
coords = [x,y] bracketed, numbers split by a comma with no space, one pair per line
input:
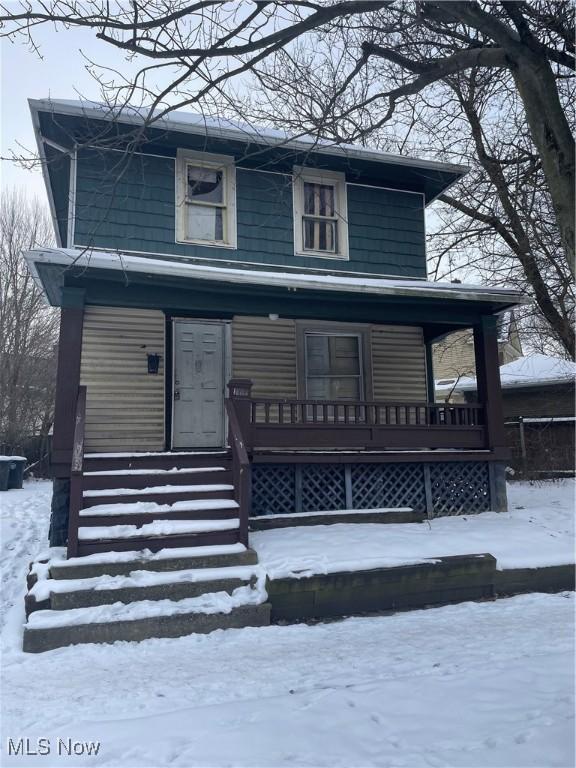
[177,287]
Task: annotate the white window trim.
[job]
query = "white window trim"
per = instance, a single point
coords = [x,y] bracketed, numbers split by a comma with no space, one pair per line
[206,160]
[318,176]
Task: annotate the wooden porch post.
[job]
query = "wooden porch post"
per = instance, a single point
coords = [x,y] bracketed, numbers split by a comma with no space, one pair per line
[430,388]
[67,379]
[488,380]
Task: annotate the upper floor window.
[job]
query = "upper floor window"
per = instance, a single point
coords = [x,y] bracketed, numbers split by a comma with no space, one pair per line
[320,213]
[205,199]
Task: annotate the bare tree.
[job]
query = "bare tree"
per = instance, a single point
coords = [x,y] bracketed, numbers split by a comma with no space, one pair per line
[28,326]
[409,74]
[499,222]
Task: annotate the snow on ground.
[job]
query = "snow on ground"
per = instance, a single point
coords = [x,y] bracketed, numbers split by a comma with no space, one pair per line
[478,684]
[24,519]
[537,531]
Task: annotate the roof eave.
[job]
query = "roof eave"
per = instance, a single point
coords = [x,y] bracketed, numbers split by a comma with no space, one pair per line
[56,107]
[127,262]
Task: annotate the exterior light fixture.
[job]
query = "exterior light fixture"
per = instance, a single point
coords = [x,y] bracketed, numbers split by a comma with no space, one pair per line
[153,362]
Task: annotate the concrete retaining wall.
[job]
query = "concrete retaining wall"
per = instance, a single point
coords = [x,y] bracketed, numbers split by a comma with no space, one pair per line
[446,580]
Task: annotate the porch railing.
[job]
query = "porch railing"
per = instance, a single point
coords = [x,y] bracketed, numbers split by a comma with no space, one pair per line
[283,423]
[305,413]
[241,475]
[76,469]
[259,423]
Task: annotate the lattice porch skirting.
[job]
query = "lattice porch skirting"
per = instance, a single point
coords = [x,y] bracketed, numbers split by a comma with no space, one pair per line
[439,488]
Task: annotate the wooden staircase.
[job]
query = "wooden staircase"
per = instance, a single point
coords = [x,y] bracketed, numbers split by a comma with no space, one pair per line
[152,501]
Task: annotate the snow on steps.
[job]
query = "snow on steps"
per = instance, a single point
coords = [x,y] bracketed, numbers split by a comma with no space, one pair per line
[108,479]
[156,490]
[155,528]
[143,603]
[158,460]
[142,512]
[62,594]
[122,563]
[173,471]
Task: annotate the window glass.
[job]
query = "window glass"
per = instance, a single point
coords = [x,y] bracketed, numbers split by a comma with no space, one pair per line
[205,184]
[333,369]
[320,235]
[320,227]
[319,199]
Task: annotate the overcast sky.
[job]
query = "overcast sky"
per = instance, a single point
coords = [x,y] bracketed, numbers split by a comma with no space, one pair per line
[60,73]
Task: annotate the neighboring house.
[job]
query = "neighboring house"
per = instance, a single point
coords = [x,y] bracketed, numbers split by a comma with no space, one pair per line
[247,329]
[454,355]
[539,409]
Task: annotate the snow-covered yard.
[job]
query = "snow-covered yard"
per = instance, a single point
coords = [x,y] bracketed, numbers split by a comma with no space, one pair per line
[476,684]
[537,531]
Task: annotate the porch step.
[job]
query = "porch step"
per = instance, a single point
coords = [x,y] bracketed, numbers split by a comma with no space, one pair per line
[94,462]
[122,563]
[40,637]
[155,528]
[145,478]
[64,594]
[140,513]
[148,601]
[158,493]
[157,543]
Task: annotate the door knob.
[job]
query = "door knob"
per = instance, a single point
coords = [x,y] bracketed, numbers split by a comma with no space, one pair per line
[176,394]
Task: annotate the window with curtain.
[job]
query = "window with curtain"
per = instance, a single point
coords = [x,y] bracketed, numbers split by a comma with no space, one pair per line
[205,199]
[320,213]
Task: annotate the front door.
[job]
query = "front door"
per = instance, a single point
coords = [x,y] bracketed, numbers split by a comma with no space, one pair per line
[198,388]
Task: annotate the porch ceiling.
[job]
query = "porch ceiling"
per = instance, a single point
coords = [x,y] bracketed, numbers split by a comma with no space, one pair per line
[180,287]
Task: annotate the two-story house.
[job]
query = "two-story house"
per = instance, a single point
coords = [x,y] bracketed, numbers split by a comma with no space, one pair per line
[246,330]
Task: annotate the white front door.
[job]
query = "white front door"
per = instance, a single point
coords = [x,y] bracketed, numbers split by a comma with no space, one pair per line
[198,384]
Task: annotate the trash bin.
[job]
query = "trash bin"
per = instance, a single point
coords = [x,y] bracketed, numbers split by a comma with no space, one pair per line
[11,472]
[16,477]
[4,472]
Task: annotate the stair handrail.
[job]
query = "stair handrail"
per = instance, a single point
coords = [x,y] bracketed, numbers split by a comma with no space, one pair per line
[238,410]
[76,472]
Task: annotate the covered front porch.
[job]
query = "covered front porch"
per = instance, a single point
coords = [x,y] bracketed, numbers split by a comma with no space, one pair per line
[325,385]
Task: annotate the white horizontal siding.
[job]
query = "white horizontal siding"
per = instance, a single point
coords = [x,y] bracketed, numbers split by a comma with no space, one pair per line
[398,363]
[264,350]
[125,404]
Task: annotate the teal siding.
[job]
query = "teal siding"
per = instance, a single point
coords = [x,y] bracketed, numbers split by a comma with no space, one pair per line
[130,206]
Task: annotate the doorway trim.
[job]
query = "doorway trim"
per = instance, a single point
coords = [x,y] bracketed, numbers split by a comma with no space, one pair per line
[171,319]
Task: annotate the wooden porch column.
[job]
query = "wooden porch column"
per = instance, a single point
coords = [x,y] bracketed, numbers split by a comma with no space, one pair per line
[488,379]
[430,388]
[67,379]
